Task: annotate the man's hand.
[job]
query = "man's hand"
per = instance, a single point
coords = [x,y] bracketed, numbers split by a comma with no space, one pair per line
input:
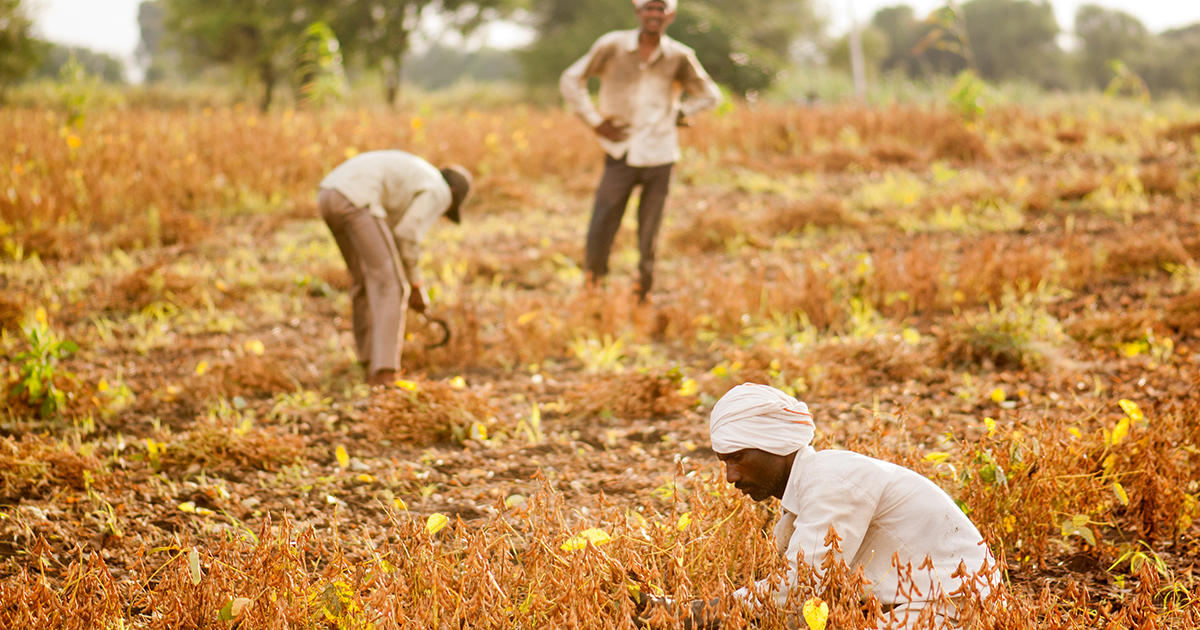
[418,299]
[610,130]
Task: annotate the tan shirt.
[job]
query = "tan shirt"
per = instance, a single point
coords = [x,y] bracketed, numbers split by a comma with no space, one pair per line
[880,510]
[401,188]
[645,95]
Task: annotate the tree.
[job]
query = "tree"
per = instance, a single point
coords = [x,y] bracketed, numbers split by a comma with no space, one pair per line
[874,46]
[18,47]
[1014,39]
[254,36]
[740,42]
[379,32]
[1108,35]
[902,31]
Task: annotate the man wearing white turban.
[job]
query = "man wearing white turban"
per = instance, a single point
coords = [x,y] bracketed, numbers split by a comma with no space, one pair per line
[891,520]
[642,74]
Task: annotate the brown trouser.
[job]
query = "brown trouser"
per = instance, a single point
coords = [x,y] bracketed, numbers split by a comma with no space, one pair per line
[380,290]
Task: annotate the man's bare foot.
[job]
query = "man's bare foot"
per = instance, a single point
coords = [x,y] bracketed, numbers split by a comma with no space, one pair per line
[382,377]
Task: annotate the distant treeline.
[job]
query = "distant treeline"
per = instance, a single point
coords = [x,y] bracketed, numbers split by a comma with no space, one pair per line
[1007,40]
[317,47]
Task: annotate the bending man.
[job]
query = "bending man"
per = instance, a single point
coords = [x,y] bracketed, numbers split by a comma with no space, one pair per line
[642,73]
[379,206]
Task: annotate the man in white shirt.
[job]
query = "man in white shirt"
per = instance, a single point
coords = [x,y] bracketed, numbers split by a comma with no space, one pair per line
[642,74]
[379,206]
[891,520]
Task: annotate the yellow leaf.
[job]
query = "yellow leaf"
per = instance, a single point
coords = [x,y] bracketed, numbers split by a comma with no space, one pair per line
[911,336]
[194,566]
[343,458]
[436,522]
[991,426]
[816,613]
[685,519]
[202,368]
[40,316]
[689,387]
[400,505]
[221,286]
[417,123]
[409,385]
[528,317]
[204,511]
[1131,408]
[1119,490]
[937,457]
[1120,431]
[187,506]
[479,432]
[1075,432]
[998,395]
[458,383]
[351,152]
[255,347]
[102,386]
[365,478]
[74,141]
[593,535]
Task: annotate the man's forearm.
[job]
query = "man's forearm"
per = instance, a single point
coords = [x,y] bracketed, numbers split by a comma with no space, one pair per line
[573,86]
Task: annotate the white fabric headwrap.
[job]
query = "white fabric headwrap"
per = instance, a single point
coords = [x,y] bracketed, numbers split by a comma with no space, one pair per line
[671,4]
[761,417]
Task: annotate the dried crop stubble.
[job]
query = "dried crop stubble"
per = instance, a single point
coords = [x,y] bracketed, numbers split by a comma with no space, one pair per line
[423,411]
[991,265]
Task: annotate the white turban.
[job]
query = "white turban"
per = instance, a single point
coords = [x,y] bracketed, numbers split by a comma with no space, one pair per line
[671,4]
[760,417]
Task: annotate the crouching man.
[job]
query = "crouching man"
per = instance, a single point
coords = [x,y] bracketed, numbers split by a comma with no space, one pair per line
[909,536]
[379,206]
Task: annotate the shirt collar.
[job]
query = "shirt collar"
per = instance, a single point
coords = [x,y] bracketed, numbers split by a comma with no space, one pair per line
[791,494]
[631,44]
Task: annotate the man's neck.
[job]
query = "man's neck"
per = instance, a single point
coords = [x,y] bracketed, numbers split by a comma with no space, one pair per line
[649,41]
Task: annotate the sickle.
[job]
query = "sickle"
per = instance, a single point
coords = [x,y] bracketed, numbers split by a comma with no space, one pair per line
[441,323]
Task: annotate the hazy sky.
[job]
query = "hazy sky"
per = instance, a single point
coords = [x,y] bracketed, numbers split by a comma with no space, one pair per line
[111,25]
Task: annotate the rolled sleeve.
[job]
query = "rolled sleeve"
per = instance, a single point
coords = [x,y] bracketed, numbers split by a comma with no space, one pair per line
[411,231]
[573,85]
[702,91]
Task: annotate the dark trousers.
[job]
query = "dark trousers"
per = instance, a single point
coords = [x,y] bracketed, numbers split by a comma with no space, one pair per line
[612,196]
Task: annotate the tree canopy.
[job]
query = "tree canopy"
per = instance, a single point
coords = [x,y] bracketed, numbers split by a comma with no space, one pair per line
[18,48]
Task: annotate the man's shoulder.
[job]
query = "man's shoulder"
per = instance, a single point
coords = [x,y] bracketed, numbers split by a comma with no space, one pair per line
[616,39]
[839,463]
[677,47]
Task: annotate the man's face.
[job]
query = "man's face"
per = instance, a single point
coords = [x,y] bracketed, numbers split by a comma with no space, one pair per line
[654,17]
[757,473]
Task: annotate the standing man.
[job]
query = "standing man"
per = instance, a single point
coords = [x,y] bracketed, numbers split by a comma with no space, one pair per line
[642,74]
[379,206]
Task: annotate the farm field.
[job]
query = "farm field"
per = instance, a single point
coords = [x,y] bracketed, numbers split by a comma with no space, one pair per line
[1009,305]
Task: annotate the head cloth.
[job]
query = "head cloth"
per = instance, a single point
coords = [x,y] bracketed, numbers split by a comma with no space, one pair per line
[761,417]
[671,4]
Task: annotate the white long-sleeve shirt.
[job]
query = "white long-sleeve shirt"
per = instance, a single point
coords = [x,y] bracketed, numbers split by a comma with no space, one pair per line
[879,510]
[645,95]
[401,188]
